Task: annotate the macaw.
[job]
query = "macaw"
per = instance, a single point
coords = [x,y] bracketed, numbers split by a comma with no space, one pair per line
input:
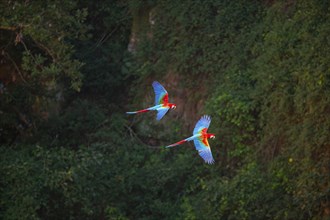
[161,102]
[200,137]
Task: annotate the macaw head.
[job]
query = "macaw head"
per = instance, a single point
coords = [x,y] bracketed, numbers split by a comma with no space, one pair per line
[172,105]
[212,136]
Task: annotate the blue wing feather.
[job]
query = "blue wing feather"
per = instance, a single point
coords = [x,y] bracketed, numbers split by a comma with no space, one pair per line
[161,112]
[199,145]
[206,155]
[204,122]
[204,151]
[160,92]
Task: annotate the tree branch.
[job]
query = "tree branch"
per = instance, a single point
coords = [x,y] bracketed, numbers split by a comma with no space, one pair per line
[13,28]
[46,49]
[136,137]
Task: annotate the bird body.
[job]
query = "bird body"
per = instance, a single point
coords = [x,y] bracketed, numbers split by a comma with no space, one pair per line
[200,138]
[161,102]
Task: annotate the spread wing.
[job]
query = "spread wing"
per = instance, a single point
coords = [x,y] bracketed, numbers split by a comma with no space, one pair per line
[203,123]
[161,113]
[161,95]
[204,150]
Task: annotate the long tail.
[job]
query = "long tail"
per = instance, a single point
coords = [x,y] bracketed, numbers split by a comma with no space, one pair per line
[136,112]
[176,144]
[181,142]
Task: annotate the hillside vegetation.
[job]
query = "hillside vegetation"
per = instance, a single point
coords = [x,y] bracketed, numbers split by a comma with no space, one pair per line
[69,70]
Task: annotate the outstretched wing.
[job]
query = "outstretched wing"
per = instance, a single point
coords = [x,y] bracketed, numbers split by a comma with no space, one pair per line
[161,95]
[204,150]
[203,123]
[161,112]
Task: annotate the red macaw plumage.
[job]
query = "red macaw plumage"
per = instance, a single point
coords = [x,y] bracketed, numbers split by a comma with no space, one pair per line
[200,137]
[162,104]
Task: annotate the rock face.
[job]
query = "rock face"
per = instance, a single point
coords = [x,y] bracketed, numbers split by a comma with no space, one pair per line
[141,26]
[190,101]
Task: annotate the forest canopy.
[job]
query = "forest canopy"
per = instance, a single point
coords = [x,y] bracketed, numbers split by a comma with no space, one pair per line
[69,70]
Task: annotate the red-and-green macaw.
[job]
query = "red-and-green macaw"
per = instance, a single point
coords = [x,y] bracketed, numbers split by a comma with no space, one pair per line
[161,102]
[200,137]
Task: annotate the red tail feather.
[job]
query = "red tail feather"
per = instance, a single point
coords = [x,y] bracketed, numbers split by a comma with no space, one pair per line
[141,111]
[177,143]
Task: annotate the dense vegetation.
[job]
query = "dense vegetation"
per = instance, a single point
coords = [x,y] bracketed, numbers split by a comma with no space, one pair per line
[70,69]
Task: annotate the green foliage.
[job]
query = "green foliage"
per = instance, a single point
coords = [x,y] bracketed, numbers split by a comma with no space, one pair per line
[105,53]
[117,180]
[38,58]
[263,67]
[269,78]
[54,184]
[73,127]
[44,30]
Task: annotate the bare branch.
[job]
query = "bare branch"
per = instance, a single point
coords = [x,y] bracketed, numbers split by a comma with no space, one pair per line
[136,137]
[13,28]
[46,49]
